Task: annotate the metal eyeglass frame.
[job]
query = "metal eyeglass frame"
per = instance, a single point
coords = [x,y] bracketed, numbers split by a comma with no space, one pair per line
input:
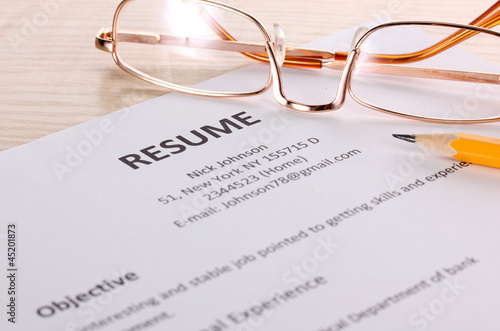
[277,55]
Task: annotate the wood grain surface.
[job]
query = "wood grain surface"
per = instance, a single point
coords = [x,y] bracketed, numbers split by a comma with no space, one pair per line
[52,76]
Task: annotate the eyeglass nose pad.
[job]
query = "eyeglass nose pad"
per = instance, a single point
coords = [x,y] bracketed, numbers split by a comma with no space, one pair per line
[279,42]
[357,36]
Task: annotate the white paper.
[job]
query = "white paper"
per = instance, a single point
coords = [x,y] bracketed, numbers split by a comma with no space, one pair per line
[326,222]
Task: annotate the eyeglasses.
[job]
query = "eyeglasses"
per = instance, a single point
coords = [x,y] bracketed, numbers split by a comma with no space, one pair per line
[420,70]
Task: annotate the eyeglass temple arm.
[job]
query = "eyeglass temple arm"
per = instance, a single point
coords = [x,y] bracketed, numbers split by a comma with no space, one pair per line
[296,57]
[103,42]
[299,57]
[381,63]
[489,19]
[309,58]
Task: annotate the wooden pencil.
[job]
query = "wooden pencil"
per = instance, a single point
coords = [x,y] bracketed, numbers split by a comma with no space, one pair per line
[461,146]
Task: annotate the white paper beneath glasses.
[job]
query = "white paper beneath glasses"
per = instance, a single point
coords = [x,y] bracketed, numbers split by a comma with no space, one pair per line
[316,222]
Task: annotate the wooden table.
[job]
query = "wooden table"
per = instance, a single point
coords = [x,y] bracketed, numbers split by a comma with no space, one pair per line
[52,76]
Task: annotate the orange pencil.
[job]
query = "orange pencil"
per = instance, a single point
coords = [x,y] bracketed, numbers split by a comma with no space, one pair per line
[461,146]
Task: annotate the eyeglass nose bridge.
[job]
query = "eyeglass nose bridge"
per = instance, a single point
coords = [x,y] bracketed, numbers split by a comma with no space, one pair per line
[360,33]
[276,58]
[280,44]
